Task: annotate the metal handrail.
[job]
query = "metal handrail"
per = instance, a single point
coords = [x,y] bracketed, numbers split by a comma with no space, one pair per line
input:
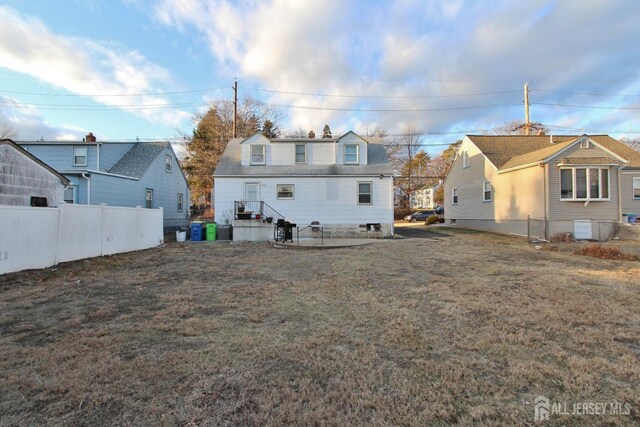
[298,230]
[258,207]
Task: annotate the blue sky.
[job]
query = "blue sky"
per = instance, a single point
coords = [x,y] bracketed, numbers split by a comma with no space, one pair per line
[141,69]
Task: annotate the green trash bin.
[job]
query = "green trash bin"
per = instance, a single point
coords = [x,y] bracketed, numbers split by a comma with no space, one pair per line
[211,231]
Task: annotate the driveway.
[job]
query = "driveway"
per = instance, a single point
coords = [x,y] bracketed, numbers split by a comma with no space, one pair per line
[418,230]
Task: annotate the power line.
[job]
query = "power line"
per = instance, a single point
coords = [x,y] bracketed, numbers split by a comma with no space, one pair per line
[598,107]
[384,110]
[379,96]
[583,93]
[116,94]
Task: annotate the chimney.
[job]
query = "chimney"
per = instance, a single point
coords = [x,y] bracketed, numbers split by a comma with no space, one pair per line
[90,137]
[312,134]
[540,132]
[551,139]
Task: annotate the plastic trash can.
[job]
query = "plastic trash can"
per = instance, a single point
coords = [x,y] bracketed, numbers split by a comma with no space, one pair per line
[211,231]
[181,236]
[632,218]
[196,231]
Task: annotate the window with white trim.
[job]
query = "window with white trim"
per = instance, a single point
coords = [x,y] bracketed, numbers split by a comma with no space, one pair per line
[351,154]
[465,159]
[180,202]
[486,191]
[364,193]
[301,153]
[584,183]
[454,196]
[584,143]
[70,194]
[148,198]
[636,188]
[168,162]
[285,191]
[257,154]
[79,156]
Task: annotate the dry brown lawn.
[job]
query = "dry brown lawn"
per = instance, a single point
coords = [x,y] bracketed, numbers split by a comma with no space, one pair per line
[464,328]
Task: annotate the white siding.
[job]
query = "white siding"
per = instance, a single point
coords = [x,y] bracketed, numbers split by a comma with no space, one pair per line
[351,139]
[330,200]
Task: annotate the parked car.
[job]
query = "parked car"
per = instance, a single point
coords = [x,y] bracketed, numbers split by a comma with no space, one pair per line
[423,215]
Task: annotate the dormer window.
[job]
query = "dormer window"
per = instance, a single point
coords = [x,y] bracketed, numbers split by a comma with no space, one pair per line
[351,154]
[301,153]
[258,154]
[584,143]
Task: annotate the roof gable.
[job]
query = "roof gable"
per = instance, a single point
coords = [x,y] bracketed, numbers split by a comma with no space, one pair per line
[27,154]
[509,151]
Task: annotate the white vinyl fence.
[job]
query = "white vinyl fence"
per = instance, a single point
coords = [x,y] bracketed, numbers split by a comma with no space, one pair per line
[42,237]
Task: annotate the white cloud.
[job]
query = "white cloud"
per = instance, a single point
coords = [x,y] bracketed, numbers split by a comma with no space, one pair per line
[416,47]
[30,125]
[83,66]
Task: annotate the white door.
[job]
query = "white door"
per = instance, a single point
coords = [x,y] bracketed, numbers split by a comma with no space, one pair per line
[252,191]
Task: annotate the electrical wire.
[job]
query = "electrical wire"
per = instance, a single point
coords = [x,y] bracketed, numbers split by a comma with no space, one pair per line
[116,94]
[598,107]
[582,93]
[379,96]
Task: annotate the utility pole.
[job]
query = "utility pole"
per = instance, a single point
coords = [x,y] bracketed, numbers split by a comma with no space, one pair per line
[527,124]
[235,106]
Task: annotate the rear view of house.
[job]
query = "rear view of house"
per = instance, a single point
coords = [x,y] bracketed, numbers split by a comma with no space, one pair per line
[344,183]
[497,183]
[118,173]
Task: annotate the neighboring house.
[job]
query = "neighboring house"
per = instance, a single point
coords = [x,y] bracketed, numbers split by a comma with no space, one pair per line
[424,197]
[497,182]
[26,180]
[343,183]
[116,173]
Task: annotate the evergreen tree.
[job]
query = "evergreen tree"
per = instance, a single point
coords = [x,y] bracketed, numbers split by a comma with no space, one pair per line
[326,132]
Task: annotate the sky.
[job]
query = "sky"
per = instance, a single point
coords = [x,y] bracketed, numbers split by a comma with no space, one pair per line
[138,69]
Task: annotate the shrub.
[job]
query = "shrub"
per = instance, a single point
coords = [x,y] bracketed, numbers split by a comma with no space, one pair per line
[433,219]
[604,252]
[400,213]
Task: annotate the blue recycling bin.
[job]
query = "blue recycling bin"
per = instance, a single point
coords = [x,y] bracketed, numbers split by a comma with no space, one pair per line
[196,231]
[632,218]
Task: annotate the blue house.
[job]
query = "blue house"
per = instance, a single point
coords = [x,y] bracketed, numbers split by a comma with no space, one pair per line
[118,173]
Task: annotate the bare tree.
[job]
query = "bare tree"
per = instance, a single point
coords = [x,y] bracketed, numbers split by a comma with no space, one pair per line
[516,127]
[7,131]
[296,133]
[631,142]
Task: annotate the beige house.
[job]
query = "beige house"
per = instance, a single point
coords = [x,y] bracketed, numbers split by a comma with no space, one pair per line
[564,183]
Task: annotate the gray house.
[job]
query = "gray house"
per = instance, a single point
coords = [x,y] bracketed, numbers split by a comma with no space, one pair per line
[497,182]
[118,173]
[26,180]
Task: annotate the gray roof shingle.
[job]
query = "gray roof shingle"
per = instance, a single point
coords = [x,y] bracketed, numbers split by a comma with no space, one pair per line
[138,159]
[230,165]
[506,151]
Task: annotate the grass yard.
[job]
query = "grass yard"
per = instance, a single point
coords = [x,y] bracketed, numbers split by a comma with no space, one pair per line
[464,328]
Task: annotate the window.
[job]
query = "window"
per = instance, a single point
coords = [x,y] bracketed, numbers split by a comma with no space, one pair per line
[168,161]
[636,188]
[79,156]
[364,193]
[454,196]
[351,154]
[148,198]
[584,143]
[180,202]
[285,191]
[257,154]
[486,191]
[70,194]
[465,159]
[301,153]
[584,184]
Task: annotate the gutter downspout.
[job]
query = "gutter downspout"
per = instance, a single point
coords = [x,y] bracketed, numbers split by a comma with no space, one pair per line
[84,175]
[546,192]
[619,193]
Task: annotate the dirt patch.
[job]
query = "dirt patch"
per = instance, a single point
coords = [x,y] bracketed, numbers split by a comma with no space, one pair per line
[464,328]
